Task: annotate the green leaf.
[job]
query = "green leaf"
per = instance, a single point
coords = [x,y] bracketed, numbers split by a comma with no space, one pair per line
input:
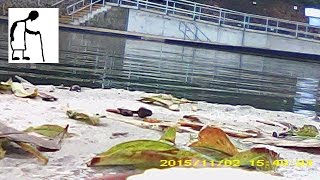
[47,130]
[142,154]
[307,131]
[169,135]
[93,120]
[259,158]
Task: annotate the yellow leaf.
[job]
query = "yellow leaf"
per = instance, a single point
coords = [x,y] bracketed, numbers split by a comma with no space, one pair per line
[19,91]
[6,85]
[27,147]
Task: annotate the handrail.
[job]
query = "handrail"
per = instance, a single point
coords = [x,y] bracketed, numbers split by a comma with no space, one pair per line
[212,14]
[83,4]
[195,34]
[57,3]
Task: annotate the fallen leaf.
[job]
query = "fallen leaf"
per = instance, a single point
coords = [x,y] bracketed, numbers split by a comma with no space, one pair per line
[125,112]
[2,151]
[215,139]
[47,97]
[259,158]
[25,141]
[6,85]
[115,135]
[142,154]
[47,130]
[166,101]
[307,131]
[19,91]
[169,135]
[192,125]
[89,119]
[142,112]
[192,118]
[149,120]
[19,136]
[27,147]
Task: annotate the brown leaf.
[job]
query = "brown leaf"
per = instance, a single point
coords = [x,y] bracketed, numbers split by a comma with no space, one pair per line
[123,112]
[215,138]
[116,135]
[192,118]
[116,111]
[150,120]
[47,97]
[192,125]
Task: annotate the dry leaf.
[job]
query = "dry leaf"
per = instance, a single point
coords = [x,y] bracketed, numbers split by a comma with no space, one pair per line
[89,119]
[19,91]
[216,139]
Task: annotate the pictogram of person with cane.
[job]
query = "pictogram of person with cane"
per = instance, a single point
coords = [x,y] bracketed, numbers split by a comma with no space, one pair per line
[18,36]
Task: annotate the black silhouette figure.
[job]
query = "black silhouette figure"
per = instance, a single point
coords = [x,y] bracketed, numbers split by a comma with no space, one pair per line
[18,35]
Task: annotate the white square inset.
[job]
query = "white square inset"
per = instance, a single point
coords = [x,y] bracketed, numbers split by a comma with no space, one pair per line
[33,35]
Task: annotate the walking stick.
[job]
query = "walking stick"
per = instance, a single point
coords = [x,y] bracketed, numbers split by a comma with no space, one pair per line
[41,47]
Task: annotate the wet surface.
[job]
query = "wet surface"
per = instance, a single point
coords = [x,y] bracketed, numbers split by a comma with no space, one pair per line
[198,74]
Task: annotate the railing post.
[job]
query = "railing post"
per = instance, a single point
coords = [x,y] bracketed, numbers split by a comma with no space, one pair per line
[167,4]
[244,22]
[90,5]
[146,6]
[297,28]
[267,25]
[73,11]
[174,7]
[200,13]
[83,3]
[248,23]
[194,11]
[103,2]
[138,4]
[277,26]
[220,16]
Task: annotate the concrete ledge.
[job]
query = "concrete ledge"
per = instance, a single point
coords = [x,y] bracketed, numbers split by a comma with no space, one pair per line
[206,45]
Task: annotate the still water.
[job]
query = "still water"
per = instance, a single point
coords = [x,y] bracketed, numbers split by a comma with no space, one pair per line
[101,61]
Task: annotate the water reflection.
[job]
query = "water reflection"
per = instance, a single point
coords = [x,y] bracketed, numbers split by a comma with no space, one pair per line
[194,73]
[305,100]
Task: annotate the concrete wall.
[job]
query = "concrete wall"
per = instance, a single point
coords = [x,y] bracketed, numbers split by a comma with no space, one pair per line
[114,18]
[157,24]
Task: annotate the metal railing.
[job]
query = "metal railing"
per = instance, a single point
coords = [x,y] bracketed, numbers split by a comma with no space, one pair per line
[211,14]
[81,5]
[194,30]
[57,3]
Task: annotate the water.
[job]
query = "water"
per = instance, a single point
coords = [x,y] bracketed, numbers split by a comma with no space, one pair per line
[198,74]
